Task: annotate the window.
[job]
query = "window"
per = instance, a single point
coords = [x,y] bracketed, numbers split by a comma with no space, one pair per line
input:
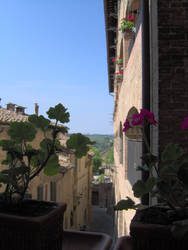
[53,191]
[40,192]
[71,219]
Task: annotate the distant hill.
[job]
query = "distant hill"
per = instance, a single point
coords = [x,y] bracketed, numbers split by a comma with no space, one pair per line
[103,142]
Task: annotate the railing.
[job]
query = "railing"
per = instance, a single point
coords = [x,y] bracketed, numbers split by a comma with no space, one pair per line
[138,22]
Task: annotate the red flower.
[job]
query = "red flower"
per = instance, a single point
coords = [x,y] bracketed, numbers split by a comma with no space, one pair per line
[113,60]
[131,18]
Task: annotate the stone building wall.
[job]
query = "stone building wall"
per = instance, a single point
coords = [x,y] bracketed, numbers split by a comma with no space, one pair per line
[130,97]
[173,70]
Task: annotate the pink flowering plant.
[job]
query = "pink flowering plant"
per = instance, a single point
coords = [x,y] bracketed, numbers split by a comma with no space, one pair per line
[169,182]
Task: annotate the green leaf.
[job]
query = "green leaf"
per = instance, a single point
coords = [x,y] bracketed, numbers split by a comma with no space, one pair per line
[38,159]
[52,167]
[149,159]
[21,131]
[59,113]
[46,144]
[150,183]
[7,144]
[57,145]
[80,143]
[172,152]
[126,204]
[140,187]
[140,168]
[4,178]
[39,122]
[62,129]
[19,170]
[29,152]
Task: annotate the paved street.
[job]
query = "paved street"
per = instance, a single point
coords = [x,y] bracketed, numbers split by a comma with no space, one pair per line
[101,221]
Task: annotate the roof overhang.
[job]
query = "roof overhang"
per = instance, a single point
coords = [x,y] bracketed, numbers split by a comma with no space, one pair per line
[110,13]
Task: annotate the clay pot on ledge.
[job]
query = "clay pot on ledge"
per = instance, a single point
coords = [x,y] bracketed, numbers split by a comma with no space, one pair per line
[127,34]
[149,236]
[38,225]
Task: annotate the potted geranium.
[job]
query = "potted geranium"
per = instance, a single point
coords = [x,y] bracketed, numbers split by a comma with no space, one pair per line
[127,25]
[165,225]
[118,76]
[30,224]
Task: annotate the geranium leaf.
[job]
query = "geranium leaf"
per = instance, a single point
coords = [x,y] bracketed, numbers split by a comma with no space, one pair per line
[150,183]
[59,113]
[39,122]
[52,167]
[144,167]
[125,204]
[139,188]
[21,131]
[80,143]
[46,144]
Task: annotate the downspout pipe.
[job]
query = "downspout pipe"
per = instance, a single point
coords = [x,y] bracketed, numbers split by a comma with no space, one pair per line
[145,77]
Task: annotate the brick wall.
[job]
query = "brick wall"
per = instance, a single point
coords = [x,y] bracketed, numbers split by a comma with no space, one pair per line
[173,70]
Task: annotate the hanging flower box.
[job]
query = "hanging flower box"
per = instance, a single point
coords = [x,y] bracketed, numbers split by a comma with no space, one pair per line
[127,26]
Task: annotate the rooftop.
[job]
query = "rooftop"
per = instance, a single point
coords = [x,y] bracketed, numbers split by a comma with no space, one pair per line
[7,116]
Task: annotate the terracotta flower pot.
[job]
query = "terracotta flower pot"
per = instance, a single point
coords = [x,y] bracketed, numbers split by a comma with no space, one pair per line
[127,34]
[37,231]
[153,236]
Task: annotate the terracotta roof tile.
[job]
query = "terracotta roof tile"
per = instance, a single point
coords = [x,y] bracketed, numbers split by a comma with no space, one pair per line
[7,116]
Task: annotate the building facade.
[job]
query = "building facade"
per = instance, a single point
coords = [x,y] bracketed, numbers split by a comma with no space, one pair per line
[152,73]
[71,186]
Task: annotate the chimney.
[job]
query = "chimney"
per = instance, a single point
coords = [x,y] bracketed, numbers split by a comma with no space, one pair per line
[20,110]
[11,106]
[36,109]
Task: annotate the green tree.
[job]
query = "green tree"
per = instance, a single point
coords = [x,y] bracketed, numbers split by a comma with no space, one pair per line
[109,158]
[97,160]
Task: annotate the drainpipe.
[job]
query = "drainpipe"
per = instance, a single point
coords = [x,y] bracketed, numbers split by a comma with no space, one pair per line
[145,77]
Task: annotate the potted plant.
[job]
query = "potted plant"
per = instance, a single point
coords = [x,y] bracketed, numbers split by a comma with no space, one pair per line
[127,26]
[118,76]
[119,62]
[26,223]
[165,225]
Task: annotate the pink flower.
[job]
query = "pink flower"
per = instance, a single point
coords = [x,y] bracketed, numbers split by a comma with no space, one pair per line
[113,60]
[126,125]
[137,120]
[148,116]
[184,124]
[142,117]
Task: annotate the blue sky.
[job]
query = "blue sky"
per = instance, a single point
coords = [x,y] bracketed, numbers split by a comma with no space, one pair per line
[54,51]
